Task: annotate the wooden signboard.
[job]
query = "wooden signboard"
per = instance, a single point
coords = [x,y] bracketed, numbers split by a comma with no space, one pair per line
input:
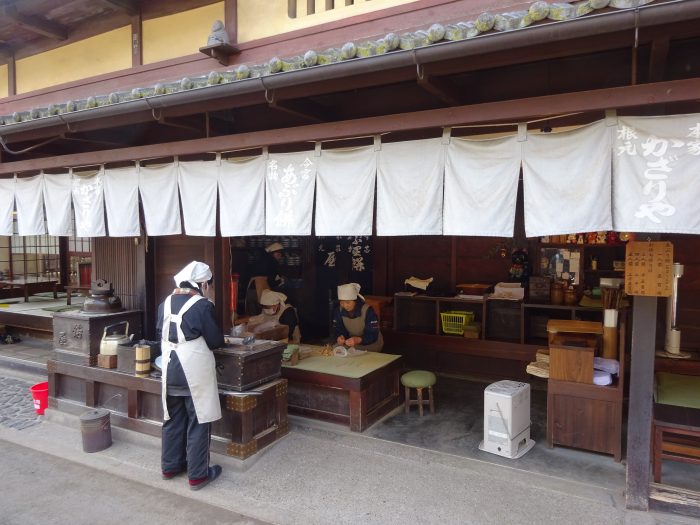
[649,269]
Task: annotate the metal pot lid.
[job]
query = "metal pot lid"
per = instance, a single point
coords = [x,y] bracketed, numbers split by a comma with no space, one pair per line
[93,415]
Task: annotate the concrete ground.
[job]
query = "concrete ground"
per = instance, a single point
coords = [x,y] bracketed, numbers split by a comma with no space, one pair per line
[317,474]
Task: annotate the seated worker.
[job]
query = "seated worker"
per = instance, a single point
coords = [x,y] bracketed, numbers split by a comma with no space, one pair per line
[275,311]
[355,323]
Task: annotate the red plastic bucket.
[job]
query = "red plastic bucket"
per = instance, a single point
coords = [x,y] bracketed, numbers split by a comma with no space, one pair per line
[40,394]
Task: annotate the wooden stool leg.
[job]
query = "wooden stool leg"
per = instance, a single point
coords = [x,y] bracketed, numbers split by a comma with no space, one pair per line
[432,404]
[420,401]
[407,402]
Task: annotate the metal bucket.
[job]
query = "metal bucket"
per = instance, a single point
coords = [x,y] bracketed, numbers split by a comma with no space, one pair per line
[96,430]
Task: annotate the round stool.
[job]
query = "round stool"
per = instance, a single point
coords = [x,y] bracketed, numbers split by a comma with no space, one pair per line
[419,379]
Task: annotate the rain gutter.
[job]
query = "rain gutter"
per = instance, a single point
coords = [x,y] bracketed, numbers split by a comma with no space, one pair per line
[548,33]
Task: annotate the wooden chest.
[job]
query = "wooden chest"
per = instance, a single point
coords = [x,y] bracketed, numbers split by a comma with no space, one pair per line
[77,336]
[242,367]
[251,420]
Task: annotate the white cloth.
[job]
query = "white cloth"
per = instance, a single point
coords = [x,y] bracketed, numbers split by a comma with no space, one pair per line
[194,273]
[611,366]
[242,197]
[345,191]
[270,298]
[289,193]
[197,362]
[656,164]
[88,204]
[7,205]
[601,378]
[161,206]
[409,188]
[481,187]
[29,201]
[349,292]
[122,201]
[274,247]
[566,181]
[198,181]
[57,199]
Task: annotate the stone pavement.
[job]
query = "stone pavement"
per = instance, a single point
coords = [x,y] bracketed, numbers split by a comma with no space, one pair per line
[321,474]
[16,405]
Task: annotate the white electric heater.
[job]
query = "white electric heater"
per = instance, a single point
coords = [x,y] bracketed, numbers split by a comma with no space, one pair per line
[507,419]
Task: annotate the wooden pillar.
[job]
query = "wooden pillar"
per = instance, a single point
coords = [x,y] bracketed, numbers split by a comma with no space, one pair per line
[640,404]
[136,41]
[11,76]
[231,20]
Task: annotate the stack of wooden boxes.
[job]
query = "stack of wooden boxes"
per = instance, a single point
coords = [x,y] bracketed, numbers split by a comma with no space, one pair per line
[581,414]
[253,398]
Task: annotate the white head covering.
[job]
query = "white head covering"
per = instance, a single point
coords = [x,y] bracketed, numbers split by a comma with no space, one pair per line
[274,247]
[349,292]
[194,273]
[270,298]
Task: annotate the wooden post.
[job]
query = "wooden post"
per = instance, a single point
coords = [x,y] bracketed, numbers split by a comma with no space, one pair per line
[640,404]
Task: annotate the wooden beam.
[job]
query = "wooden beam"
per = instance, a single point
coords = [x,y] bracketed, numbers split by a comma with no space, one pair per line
[304,109]
[658,58]
[136,41]
[131,7]
[441,88]
[640,405]
[487,113]
[36,24]
[231,20]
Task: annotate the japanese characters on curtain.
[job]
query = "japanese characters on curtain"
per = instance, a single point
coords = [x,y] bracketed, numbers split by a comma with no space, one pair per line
[656,168]
[567,181]
[242,196]
[409,188]
[7,205]
[161,206]
[122,201]
[341,260]
[30,206]
[289,193]
[88,204]
[198,181]
[57,200]
[345,191]
[481,187]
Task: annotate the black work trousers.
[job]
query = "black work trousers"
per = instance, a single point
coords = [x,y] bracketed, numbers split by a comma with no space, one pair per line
[185,441]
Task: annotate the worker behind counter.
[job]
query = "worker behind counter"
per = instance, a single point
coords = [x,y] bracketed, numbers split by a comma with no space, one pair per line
[189,331]
[355,324]
[267,274]
[276,311]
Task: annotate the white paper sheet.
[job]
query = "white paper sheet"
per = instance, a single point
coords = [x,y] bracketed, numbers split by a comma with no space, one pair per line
[242,197]
[29,201]
[198,181]
[656,165]
[57,190]
[88,203]
[122,201]
[345,191]
[289,193]
[409,188]
[161,205]
[7,205]
[481,187]
[567,181]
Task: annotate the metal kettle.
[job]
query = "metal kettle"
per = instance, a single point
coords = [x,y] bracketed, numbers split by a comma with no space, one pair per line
[109,343]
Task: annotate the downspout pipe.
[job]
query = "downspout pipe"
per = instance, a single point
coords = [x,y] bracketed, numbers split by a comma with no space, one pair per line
[588,26]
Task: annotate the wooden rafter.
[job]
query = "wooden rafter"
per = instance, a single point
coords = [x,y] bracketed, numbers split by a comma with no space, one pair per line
[441,88]
[35,24]
[658,58]
[130,7]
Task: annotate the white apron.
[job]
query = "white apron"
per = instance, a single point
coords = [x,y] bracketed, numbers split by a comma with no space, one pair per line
[197,362]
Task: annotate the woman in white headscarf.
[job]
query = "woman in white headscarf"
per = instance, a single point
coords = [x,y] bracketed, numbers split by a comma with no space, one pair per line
[276,311]
[189,331]
[355,324]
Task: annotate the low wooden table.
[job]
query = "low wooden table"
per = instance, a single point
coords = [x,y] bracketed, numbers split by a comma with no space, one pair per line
[70,289]
[355,391]
[32,285]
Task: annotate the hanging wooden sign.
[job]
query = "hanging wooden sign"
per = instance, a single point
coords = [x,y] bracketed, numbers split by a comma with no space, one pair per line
[649,269]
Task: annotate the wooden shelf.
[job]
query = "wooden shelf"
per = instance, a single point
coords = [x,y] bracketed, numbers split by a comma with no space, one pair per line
[220,52]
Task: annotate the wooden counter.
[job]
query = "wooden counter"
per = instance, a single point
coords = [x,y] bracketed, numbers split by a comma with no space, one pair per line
[356,396]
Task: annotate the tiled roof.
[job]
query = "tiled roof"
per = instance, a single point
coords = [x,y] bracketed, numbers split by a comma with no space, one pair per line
[486,23]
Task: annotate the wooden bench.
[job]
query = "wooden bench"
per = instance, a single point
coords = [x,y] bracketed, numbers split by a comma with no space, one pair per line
[675,429]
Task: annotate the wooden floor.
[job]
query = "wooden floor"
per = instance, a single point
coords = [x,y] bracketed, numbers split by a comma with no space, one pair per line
[35,316]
